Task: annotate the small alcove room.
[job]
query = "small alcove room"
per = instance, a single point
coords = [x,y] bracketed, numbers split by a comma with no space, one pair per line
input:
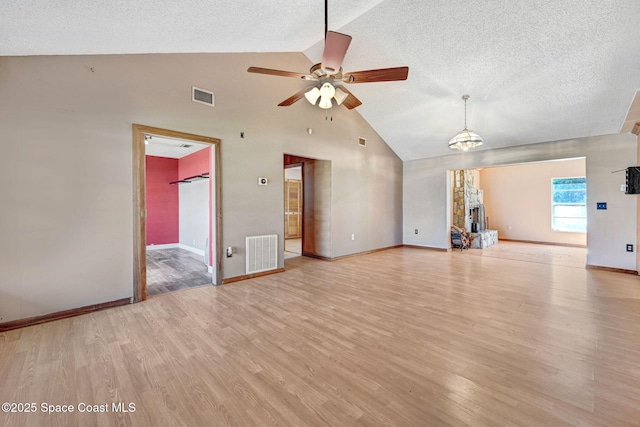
[178,213]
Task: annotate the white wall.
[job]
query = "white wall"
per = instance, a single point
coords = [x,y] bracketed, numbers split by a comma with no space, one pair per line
[426,199]
[66,167]
[194,214]
[517,200]
[293,173]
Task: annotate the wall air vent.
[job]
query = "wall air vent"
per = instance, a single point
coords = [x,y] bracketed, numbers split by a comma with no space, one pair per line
[362,142]
[262,253]
[202,96]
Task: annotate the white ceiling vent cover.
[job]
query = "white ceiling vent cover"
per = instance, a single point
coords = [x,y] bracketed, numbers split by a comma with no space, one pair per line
[262,253]
[202,96]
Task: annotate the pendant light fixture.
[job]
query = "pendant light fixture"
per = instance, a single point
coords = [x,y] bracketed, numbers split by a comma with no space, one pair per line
[465,139]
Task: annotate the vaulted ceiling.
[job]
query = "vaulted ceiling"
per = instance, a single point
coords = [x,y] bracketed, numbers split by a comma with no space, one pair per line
[536,71]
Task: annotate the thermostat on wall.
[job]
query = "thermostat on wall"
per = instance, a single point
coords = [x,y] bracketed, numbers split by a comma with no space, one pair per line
[263,181]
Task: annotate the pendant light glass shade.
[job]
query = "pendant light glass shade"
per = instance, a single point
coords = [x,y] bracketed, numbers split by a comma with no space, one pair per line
[312,95]
[327,91]
[325,103]
[340,95]
[465,139]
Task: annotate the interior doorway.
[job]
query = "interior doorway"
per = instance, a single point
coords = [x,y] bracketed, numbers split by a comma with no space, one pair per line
[198,245]
[178,217]
[315,206]
[293,210]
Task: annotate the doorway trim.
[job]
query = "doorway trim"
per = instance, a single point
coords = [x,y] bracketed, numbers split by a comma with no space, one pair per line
[140,208]
[284,234]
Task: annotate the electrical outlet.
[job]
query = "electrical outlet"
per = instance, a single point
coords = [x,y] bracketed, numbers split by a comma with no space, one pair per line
[353,237]
[416,231]
[629,248]
[229,252]
[602,206]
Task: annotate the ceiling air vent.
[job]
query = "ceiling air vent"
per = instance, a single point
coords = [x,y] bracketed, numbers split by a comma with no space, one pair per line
[362,142]
[186,145]
[202,96]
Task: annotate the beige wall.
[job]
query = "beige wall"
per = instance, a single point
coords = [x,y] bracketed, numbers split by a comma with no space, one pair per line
[66,166]
[518,200]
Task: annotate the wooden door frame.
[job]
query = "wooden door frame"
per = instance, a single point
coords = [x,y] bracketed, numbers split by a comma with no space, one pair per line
[300,163]
[291,166]
[139,203]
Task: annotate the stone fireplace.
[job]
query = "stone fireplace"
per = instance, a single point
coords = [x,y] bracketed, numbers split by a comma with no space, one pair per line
[468,209]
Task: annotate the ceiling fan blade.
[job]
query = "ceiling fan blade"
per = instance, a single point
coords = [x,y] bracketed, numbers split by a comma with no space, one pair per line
[380,75]
[350,101]
[335,48]
[293,98]
[280,73]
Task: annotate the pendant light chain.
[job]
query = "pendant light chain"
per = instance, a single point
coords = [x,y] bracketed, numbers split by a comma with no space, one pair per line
[465,97]
[465,113]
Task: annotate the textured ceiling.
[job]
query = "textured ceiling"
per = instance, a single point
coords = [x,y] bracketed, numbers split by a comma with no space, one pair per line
[172,148]
[536,71]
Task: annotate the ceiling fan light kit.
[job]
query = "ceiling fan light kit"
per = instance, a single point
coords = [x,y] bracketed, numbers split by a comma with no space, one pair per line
[465,139]
[326,93]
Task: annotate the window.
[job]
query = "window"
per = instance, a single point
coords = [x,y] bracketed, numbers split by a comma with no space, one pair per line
[569,204]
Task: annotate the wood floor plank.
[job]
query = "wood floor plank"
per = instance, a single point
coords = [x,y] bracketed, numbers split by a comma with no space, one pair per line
[520,335]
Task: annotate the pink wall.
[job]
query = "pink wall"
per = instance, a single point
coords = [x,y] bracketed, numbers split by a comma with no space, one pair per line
[195,164]
[162,200]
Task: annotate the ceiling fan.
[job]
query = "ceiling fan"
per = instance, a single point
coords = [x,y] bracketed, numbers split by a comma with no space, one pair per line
[329,72]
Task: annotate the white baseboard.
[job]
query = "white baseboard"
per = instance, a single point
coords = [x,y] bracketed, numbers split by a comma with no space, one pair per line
[191,249]
[164,246]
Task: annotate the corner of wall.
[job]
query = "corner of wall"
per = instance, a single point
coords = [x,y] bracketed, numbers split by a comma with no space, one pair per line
[637,129]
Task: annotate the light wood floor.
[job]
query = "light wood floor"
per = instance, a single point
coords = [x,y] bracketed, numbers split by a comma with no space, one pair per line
[405,337]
